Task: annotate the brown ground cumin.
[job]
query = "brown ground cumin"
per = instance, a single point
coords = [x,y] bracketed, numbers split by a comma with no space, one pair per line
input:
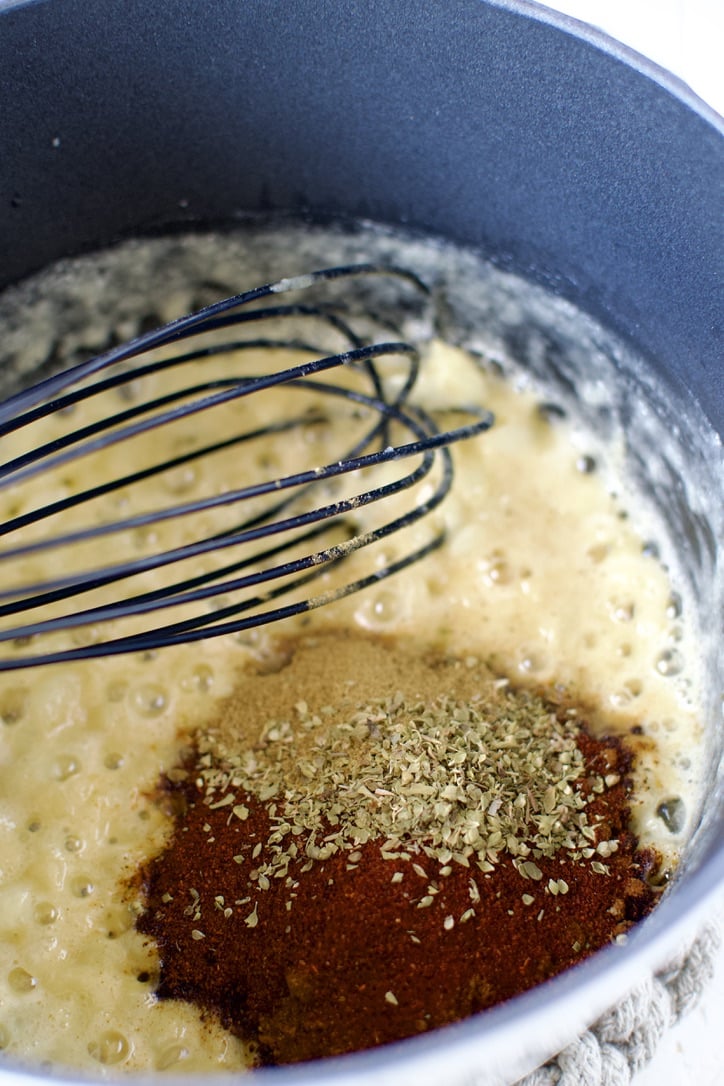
[372,841]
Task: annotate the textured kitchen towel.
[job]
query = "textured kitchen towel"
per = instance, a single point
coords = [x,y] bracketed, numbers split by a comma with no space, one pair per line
[623,1041]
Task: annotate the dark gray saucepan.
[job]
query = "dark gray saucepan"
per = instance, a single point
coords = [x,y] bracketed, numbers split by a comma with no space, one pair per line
[498,124]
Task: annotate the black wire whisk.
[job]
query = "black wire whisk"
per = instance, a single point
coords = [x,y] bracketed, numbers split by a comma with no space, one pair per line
[87,544]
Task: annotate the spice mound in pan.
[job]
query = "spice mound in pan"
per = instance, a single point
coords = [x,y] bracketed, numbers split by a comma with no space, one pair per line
[372,842]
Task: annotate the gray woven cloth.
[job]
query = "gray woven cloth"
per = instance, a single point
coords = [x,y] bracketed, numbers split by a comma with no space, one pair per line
[623,1041]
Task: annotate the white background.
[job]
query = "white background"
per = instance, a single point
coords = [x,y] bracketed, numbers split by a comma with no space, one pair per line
[684,36]
[687,38]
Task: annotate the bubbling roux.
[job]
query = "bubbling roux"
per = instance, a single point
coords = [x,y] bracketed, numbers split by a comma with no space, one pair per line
[545,578]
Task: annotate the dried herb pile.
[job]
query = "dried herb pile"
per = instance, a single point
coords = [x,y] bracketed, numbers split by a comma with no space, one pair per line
[457,781]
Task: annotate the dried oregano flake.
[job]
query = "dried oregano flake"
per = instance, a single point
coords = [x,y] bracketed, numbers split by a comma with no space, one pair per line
[455,781]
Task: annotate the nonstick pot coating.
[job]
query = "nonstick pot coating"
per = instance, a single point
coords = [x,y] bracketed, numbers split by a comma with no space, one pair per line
[483,122]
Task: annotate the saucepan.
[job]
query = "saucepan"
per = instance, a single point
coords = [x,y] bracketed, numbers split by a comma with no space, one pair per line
[554,152]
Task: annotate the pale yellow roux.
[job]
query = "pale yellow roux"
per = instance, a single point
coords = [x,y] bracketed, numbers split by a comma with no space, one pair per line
[540,574]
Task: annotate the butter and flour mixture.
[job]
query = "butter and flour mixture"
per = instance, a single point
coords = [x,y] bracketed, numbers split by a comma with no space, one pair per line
[554,580]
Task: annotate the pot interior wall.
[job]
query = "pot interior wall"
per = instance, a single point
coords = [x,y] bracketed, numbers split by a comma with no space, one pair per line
[472,120]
